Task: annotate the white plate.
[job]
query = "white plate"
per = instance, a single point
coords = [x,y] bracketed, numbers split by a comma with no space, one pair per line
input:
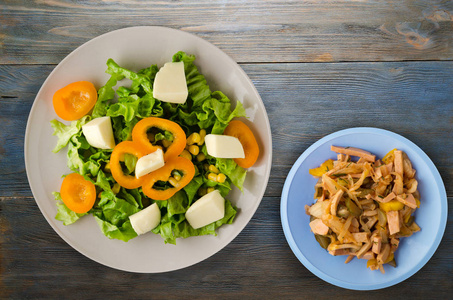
[136,48]
[413,252]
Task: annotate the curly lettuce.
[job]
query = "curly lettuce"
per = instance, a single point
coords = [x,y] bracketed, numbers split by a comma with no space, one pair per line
[126,105]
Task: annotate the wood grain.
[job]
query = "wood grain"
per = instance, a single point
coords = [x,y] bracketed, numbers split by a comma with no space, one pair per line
[319,66]
[411,99]
[45,31]
[36,263]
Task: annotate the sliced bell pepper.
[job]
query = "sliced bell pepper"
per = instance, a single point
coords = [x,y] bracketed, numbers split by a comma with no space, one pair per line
[130,147]
[391,205]
[389,157]
[323,168]
[184,166]
[140,135]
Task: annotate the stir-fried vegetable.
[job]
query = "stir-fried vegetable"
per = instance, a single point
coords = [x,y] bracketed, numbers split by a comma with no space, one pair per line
[364,207]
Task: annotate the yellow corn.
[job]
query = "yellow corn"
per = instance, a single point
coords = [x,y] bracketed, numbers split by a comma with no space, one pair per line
[151,137]
[186,154]
[202,191]
[201,157]
[194,149]
[166,143]
[173,182]
[194,138]
[213,169]
[202,136]
[212,176]
[210,189]
[221,178]
[116,188]
[107,167]
[177,177]
[206,167]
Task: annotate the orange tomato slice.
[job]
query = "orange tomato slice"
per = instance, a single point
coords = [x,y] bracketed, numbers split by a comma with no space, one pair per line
[78,193]
[75,100]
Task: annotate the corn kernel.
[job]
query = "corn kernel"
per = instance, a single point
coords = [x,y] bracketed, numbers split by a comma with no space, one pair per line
[194,138]
[213,169]
[202,191]
[151,137]
[210,189]
[194,149]
[166,143]
[177,177]
[107,167]
[201,157]
[186,154]
[116,188]
[202,136]
[212,176]
[173,182]
[221,178]
[206,167]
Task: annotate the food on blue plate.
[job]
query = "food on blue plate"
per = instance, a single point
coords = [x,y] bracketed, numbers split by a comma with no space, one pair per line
[364,206]
[141,150]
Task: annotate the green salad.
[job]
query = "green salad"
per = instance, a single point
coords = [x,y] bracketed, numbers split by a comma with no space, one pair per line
[204,109]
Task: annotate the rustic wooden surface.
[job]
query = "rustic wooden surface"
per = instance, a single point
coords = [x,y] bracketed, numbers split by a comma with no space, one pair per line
[319,66]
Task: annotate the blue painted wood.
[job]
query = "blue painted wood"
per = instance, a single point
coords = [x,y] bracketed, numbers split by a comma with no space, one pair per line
[304,102]
[319,67]
[44,32]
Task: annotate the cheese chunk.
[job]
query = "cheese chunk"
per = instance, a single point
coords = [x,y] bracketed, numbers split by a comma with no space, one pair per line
[170,83]
[207,209]
[224,146]
[148,163]
[99,133]
[146,220]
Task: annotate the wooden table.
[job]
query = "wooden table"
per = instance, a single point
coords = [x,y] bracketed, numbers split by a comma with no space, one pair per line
[319,66]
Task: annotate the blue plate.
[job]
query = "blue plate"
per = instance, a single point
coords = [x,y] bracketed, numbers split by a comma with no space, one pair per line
[413,253]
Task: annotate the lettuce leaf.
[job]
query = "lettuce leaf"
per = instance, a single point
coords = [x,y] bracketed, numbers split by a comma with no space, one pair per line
[174,224]
[64,214]
[126,105]
[66,132]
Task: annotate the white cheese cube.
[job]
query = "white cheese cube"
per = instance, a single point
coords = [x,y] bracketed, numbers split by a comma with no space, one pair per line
[224,146]
[99,133]
[170,83]
[146,220]
[207,209]
[148,163]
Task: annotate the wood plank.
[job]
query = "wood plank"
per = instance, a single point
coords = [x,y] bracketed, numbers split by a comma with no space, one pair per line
[36,263]
[45,31]
[411,99]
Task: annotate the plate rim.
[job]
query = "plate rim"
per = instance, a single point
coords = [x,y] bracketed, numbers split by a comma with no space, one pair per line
[326,277]
[199,40]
